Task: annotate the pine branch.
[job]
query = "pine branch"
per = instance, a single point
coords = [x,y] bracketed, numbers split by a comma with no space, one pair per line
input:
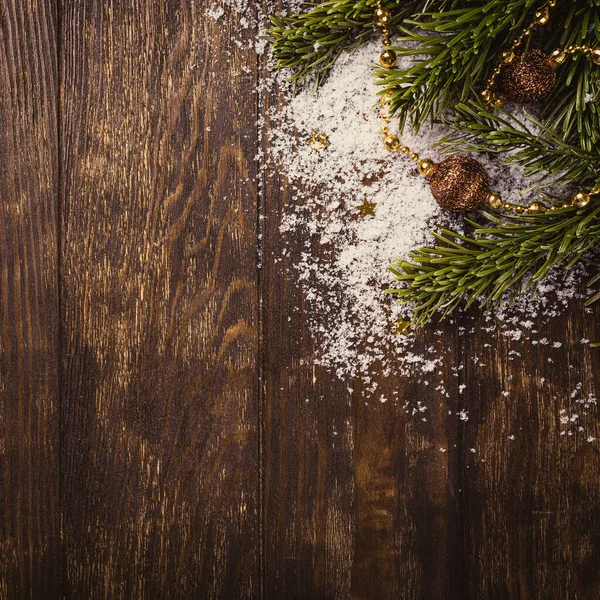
[483,268]
[456,49]
[573,107]
[310,43]
[527,142]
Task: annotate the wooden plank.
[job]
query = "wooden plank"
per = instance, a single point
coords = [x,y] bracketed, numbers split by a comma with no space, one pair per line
[358,499]
[160,310]
[359,502]
[530,496]
[29,346]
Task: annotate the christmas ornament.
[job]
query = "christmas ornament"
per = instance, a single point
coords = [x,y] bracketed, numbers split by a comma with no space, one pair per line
[366,208]
[318,141]
[528,77]
[460,183]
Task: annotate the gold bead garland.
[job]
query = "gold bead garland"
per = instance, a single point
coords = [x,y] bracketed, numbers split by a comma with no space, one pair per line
[460,183]
[383,18]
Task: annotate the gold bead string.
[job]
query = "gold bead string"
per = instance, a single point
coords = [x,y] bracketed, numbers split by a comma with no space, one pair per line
[383,18]
[558,56]
[426,166]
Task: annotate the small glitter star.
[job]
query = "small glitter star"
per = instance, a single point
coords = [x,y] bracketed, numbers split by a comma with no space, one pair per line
[367,208]
[318,141]
[400,326]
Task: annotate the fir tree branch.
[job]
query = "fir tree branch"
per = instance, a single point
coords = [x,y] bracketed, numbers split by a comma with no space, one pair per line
[573,107]
[496,259]
[455,49]
[310,43]
[527,142]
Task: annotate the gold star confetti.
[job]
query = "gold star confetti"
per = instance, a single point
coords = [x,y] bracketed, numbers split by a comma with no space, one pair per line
[400,326]
[367,208]
[318,141]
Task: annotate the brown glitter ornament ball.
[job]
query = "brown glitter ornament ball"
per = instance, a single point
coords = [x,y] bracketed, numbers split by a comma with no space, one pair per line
[529,77]
[459,183]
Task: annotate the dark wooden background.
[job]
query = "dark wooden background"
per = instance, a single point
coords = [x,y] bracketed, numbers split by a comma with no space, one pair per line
[155,436]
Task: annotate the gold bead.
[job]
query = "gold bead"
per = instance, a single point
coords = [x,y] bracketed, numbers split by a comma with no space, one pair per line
[391,143]
[426,167]
[567,205]
[498,100]
[386,42]
[382,17]
[405,150]
[507,206]
[542,17]
[519,209]
[487,96]
[494,200]
[558,57]
[595,56]
[385,31]
[388,58]
[413,156]
[536,207]
[507,57]
[581,199]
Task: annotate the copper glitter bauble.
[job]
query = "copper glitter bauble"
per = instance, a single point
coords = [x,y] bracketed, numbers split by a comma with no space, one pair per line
[529,77]
[459,183]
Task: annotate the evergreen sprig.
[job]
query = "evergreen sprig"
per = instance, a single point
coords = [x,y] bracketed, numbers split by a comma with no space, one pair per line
[539,149]
[454,49]
[572,109]
[498,258]
[454,52]
[310,43]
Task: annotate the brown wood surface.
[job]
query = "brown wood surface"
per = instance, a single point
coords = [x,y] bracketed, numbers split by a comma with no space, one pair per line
[160,311]
[164,432]
[29,344]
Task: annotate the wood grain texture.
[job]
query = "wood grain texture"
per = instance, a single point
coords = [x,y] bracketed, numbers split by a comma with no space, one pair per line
[29,430]
[531,499]
[159,406]
[164,429]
